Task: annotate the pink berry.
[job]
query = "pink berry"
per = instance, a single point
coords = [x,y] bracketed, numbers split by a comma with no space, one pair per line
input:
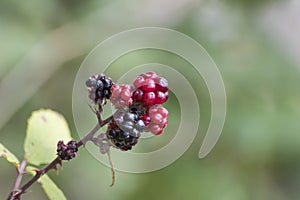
[158,119]
[116,90]
[121,95]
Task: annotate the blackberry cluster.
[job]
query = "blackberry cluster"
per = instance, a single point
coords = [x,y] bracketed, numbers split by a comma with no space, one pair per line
[125,129]
[137,107]
[67,151]
[99,87]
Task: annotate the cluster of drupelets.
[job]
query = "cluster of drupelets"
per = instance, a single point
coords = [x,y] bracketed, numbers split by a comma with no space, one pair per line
[138,107]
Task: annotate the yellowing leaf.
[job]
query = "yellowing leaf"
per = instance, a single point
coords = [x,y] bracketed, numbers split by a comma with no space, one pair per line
[45,128]
[49,187]
[5,153]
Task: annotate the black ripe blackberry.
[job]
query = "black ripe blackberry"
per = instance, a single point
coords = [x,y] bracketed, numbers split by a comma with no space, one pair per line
[99,88]
[67,151]
[125,129]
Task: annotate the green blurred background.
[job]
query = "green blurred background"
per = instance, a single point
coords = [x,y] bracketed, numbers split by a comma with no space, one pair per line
[256,46]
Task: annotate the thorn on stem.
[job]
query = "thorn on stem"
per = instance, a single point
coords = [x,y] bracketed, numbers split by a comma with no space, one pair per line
[56,169]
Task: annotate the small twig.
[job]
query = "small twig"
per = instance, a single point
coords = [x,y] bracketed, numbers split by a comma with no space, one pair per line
[16,193]
[90,135]
[21,172]
[98,112]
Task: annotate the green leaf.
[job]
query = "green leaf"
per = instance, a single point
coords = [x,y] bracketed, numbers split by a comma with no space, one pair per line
[45,128]
[50,188]
[4,153]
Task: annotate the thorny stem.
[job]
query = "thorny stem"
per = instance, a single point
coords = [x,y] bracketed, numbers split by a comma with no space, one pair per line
[16,193]
[39,173]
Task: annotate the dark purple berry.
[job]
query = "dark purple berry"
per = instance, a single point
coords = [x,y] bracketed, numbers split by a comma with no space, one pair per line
[99,88]
[125,129]
[67,151]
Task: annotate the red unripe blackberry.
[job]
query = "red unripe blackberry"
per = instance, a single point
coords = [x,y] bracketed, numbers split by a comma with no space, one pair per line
[150,89]
[121,95]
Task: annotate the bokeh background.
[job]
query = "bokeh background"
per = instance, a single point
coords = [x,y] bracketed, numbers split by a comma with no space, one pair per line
[256,46]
